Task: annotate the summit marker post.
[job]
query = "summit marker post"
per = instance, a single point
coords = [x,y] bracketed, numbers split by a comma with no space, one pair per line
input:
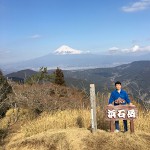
[93,108]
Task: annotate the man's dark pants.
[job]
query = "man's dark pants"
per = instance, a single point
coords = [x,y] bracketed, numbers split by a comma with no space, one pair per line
[124,123]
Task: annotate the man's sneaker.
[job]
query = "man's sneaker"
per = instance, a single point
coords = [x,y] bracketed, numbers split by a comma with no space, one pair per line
[116,131]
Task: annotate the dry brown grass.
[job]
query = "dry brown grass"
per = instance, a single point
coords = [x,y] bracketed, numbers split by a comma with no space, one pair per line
[80,139]
[109,141]
[67,128]
[58,120]
[76,119]
[64,139]
[142,123]
[63,131]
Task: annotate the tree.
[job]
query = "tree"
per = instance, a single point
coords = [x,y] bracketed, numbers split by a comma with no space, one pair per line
[59,77]
[41,77]
[5,89]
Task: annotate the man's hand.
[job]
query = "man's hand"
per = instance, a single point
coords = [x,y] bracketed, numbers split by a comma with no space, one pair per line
[119,101]
[131,104]
[110,104]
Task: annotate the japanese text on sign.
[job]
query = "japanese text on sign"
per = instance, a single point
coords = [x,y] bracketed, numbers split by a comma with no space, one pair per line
[121,112]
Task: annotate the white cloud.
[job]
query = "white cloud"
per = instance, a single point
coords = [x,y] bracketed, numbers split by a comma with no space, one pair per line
[133,49]
[114,50]
[35,36]
[137,6]
[137,48]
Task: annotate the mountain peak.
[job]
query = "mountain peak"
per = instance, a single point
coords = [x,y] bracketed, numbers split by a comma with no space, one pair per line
[64,49]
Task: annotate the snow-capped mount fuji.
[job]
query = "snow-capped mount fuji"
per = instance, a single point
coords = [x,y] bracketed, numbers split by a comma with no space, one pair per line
[68,58]
[64,50]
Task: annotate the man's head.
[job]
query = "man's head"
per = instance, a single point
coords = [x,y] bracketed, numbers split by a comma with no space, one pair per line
[118,85]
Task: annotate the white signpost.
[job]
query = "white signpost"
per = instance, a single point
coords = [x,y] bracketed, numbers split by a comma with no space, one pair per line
[93,108]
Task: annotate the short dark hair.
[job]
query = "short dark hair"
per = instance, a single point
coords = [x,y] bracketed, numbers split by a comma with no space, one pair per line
[118,82]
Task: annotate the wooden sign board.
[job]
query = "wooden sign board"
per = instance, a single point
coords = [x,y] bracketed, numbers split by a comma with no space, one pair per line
[121,112]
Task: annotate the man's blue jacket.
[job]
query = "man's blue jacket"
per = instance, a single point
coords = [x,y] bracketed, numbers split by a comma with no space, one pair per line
[115,95]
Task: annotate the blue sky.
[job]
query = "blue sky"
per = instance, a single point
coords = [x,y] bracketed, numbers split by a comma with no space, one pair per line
[33,28]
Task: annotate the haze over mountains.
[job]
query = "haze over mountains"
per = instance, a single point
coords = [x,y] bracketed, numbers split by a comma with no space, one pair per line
[68,58]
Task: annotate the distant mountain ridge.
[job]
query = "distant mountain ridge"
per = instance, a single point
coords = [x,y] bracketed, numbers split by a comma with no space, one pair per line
[22,73]
[134,77]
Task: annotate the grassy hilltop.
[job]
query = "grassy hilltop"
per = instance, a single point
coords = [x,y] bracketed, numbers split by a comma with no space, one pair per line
[53,117]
